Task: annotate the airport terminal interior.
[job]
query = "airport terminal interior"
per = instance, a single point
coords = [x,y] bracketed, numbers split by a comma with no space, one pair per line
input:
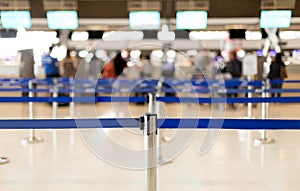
[181,95]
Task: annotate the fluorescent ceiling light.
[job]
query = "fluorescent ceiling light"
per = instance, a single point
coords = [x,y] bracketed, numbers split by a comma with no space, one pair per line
[253,35]
[208,35]
[287,35]
[122,35]
[80,36]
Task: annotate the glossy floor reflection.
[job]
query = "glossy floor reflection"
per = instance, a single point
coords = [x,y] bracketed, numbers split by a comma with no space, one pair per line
[64,162]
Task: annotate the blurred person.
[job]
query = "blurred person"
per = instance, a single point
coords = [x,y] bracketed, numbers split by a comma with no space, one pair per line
[68,67]
[50,64]
[167,72]
[278,73]
[203,67]
[95,66]
[115,67]
[68,70]
[234,68]
[147,68]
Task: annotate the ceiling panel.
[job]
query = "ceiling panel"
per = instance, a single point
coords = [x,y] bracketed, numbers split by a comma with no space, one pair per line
[118,8]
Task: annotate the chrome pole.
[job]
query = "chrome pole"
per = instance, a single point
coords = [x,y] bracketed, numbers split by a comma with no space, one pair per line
[154,107]
[54,95]
[72,95]
[72,104]
[152,102]
[249,112]
[32,138]
[149,127]
[264,139]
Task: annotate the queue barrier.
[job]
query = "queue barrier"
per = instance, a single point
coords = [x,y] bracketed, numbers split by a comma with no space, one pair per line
[75,99]
[66,85]
[149,90]
[150,126]
[148,82]
[83,86]
[229,100]
[171,123]
[144,99]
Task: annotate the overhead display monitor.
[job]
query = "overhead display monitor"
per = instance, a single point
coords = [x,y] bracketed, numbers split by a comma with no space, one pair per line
[275,18]
[62,19]
[237,33]
[15,19]
[144,20]
[11,33]
[191,19]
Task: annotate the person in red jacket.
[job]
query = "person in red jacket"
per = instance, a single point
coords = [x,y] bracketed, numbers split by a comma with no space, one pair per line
[115,67]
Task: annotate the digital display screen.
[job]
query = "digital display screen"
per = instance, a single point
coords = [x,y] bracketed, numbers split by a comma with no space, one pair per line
[144,20]
[275,18]
[15,19]
[62,19]
[191,20]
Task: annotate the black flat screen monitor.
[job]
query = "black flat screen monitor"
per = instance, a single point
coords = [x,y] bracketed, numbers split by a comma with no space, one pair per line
[237,33]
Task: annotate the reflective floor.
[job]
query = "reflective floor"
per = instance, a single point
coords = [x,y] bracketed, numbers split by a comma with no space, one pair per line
[63,161]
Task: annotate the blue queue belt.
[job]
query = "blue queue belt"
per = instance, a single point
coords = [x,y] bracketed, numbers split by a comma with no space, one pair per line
[143,99]
[149,90]
[75,99]
[229,100]
[239,124]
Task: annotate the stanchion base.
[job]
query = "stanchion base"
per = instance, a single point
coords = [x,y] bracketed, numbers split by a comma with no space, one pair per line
[3,160]
[165,139]
[248,117]
[163,160]
[261,141]
[32,140]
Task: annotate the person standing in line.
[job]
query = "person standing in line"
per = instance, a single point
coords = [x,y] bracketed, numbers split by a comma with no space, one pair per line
[203,68]
[115,67]
[147,68]
[68,66]
[167,73]
[50,65]
[95,67]
[68,71]
[233,67]
[277,73]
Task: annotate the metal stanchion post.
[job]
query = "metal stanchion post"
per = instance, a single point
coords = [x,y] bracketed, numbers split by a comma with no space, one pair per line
[249,111]
[152,102]
[54,95]
[32,138]
[264,115]
[157,106]
[152,109]
[72,105]
[221,92]
[149,127]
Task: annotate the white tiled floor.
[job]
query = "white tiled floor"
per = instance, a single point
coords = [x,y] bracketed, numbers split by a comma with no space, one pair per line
[63,161]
